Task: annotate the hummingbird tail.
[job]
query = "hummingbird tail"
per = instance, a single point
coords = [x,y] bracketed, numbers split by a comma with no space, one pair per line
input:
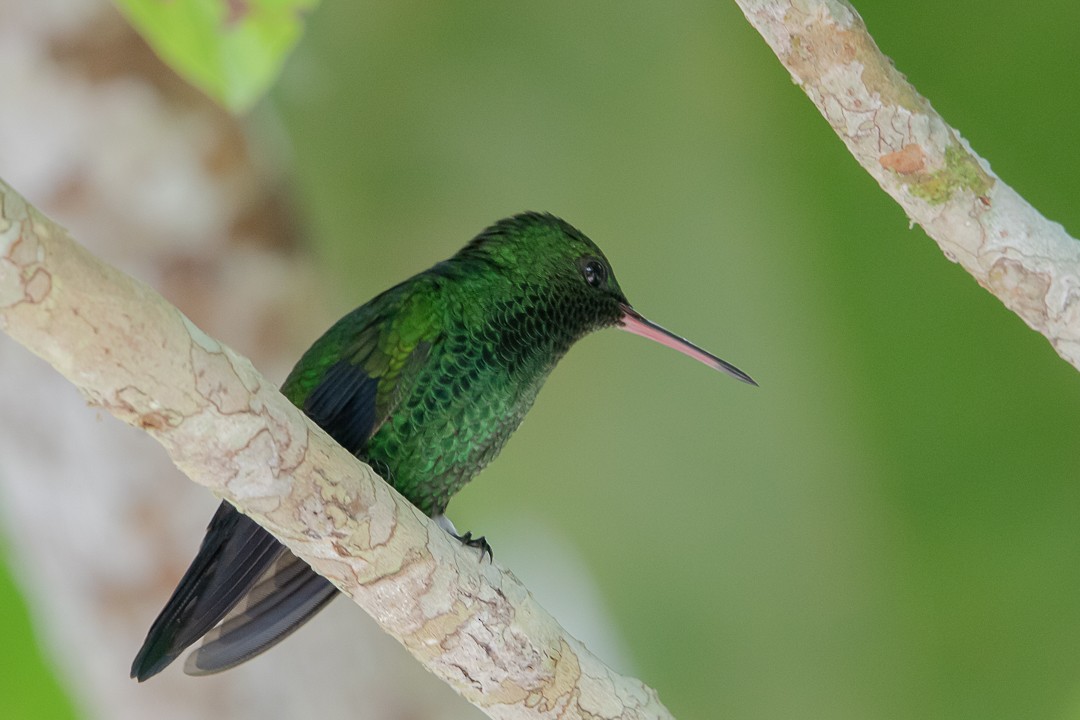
[289,594]
[234,554]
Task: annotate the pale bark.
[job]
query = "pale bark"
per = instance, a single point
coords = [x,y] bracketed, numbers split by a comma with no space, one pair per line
[1030,263]
[131,353]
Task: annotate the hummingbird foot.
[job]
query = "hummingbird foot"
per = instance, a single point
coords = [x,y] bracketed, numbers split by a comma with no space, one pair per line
[479,542]
[467,539]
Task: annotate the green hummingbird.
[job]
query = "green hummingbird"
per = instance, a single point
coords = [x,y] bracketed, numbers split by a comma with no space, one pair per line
[425,383]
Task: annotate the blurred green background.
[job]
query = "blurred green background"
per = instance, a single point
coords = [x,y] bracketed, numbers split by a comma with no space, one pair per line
[889,527]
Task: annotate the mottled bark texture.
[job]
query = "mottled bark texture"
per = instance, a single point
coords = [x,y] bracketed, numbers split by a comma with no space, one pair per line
[131,353]
[1027,261]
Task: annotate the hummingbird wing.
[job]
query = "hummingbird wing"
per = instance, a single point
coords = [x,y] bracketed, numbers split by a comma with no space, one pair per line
[348,383]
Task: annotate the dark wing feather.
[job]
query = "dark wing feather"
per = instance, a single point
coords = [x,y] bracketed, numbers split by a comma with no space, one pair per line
[343,404]
[287,595]
[348,383]
[234,553]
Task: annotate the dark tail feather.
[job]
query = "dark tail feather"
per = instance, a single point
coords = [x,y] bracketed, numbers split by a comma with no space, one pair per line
[234,554]
[287,596]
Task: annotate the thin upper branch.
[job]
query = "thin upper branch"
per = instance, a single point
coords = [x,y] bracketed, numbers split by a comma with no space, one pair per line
[131,353]
[1027,261]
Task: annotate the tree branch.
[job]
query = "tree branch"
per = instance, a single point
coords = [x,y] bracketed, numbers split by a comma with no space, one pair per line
[131,353]
[1027,261]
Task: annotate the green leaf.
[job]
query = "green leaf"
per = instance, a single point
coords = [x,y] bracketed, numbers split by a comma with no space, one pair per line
[230,49]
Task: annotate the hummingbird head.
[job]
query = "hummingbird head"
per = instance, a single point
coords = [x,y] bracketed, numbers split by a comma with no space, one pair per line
[552,268]
[561,281]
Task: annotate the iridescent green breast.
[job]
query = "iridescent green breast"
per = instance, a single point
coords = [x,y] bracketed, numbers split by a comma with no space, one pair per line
[476,384]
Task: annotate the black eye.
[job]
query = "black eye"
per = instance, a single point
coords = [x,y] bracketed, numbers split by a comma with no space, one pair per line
[595,273]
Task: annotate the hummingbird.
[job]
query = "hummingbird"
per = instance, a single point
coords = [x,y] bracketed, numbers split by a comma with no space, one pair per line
[425,383]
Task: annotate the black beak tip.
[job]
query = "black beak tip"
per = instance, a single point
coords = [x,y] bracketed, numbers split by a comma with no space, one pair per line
[740,375]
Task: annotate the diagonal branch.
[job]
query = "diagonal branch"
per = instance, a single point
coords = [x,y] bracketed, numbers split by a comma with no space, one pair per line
[131,353]
[1027,261]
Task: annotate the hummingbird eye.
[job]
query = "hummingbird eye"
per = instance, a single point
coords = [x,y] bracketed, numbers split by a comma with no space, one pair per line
[595,273]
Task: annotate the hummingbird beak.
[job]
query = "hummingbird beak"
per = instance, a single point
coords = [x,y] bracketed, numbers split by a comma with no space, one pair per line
[632,321]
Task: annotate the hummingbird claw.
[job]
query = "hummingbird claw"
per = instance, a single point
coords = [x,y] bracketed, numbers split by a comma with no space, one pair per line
[480,542]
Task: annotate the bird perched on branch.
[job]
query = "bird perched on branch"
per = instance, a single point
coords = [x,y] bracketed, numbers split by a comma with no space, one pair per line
[425,383]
